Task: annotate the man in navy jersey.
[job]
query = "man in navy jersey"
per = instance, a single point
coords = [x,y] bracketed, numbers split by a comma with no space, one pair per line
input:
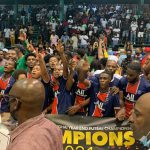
[132,87]
[104,104]
[4,80]
[81,89]
[62,97]
[39,72]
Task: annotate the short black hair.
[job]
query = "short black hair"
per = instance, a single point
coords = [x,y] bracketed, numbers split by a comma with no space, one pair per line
[30,54]
[20,47]
[69,55]
[103,61]
[96,65]
[81,52]
[18,72]
[135,65]
[110,73]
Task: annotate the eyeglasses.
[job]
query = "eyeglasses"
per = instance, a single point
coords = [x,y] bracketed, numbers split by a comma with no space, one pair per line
[10,98]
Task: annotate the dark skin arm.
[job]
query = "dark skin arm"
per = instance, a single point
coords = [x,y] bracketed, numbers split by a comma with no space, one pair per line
[60,49]
[44,73]
[121,113]
[82,71]
[74,109]
[70,79]
[100,49]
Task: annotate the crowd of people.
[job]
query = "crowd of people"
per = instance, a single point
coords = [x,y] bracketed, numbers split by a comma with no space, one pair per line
[81,27]
[109,86]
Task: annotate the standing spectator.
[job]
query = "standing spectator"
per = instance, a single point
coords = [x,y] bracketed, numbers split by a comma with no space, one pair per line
[7,36]
[141,33]
[23,14]
[1,43]
[12,37]
[54,38]
[125,31]
[74,39]
[134,27]
[147,33]
[103,22]
[65,38]
[84,40]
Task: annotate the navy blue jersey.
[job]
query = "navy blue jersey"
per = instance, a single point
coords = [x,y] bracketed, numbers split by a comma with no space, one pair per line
[49,94]
[62,97]
[103,104]
[132,92]
[5,87]
[81,93]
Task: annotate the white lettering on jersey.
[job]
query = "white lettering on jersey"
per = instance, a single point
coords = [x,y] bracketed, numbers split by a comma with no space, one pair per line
[81,93]
[100,105]
[56,93]
[130,97]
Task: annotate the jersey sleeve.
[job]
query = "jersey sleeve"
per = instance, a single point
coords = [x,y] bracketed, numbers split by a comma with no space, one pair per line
[9,86]
[116,102]
[122,83]
[147,86]
[49,94]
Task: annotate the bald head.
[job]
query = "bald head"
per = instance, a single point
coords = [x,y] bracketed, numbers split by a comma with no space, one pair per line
[30,91]
[140,117]
[144,102]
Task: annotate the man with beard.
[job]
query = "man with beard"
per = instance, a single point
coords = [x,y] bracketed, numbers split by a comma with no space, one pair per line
[132,87]
[140,121]
[27,95]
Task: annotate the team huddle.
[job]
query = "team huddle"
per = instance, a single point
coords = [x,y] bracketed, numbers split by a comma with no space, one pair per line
[70,87]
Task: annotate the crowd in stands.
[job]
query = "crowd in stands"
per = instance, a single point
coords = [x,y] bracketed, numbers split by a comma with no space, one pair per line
[106,86]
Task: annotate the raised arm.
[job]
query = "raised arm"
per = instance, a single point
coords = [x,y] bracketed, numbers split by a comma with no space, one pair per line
[44,73]
[60,49]
[100,49]
[70,79]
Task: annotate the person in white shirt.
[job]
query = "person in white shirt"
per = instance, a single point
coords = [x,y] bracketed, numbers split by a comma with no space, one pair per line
[54,38]
[53,24]
[74,41]
[84,40]
[103,22]
[147,33]
[134,27]
[6,35]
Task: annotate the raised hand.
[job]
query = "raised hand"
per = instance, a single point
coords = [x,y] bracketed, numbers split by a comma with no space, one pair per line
[60,47]
[30,47]
[72,65]
[22,36]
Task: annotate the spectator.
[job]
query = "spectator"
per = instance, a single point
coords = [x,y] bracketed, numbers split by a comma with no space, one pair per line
[133,31]
[29,122]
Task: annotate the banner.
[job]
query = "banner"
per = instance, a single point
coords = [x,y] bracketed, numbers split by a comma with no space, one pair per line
[89,133]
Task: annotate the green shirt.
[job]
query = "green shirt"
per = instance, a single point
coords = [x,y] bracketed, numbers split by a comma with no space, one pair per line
[21,63]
